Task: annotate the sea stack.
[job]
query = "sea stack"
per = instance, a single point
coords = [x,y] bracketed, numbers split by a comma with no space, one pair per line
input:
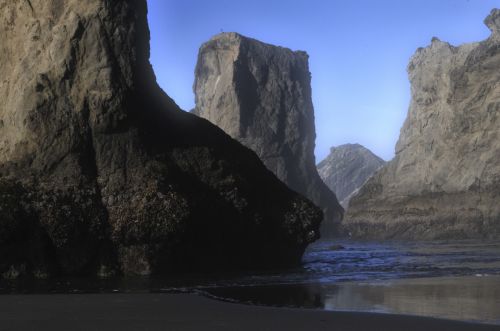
[101,172]
[445,179]
[347,168]
[260,94]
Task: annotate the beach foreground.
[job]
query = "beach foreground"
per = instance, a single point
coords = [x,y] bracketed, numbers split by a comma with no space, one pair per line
[144,311]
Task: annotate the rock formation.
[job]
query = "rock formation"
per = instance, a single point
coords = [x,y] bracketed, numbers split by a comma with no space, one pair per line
[347,168]
[100,171]
[445,179]
[261,95]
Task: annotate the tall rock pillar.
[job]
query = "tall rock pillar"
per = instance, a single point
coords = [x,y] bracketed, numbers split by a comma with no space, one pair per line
[260,94]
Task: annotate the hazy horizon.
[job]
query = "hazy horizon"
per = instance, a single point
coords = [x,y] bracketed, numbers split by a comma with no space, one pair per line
[358,52]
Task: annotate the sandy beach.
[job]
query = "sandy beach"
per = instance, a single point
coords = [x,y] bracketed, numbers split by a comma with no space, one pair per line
[192,312]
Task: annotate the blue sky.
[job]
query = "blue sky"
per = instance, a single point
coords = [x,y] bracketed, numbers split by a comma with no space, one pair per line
[358,49]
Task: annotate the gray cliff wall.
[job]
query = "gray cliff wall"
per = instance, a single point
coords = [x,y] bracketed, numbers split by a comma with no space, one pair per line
[260,94]
[445,179]
[347,168]
[101,172]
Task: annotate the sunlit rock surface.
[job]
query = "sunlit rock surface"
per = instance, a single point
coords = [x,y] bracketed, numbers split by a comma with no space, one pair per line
[445,179]
[260,94]
[102,173]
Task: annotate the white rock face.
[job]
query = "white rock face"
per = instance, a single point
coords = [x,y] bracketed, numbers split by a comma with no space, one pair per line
[445,179]
[260,95]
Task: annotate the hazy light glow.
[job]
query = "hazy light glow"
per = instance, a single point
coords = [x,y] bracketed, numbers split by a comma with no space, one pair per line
[358,49]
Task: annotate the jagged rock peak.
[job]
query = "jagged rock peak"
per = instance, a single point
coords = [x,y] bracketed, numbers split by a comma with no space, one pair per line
[347,147]
[260,94]
[347,168]
[493,21]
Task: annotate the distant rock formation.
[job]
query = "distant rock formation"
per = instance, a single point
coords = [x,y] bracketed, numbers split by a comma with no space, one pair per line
[101,172]
[260,94]
[445,179]
[347,168]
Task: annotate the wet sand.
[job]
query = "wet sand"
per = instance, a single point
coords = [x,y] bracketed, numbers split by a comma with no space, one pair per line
[466,298]
[472,298]
[193,312]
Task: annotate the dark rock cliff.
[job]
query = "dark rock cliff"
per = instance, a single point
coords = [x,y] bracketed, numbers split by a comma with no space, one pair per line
[260,94]
[445,179]
[101,172]
[347,168]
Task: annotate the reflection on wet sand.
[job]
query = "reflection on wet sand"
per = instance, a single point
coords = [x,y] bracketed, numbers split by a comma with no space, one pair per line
[460,298]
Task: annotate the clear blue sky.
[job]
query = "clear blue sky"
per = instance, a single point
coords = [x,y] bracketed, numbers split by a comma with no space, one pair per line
[358,49]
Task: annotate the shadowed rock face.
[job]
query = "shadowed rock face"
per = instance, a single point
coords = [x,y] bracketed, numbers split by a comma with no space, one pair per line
[101,172]
[261,95]
[445,179]
[347,168]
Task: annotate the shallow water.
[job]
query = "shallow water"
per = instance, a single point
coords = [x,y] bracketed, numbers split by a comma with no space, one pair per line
[457,280]
[454,280]
[361,261]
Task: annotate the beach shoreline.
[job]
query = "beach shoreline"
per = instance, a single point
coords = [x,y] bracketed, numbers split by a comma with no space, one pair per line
[149,311]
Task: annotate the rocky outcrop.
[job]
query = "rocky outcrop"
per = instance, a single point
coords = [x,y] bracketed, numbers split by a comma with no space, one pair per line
[261,95]
[347,168]
[101,172]
[445,179]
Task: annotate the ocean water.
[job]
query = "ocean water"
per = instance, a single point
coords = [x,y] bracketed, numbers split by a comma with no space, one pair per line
[453,280]
[457,280]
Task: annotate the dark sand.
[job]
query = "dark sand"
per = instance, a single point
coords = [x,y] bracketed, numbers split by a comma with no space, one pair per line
[192,312]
